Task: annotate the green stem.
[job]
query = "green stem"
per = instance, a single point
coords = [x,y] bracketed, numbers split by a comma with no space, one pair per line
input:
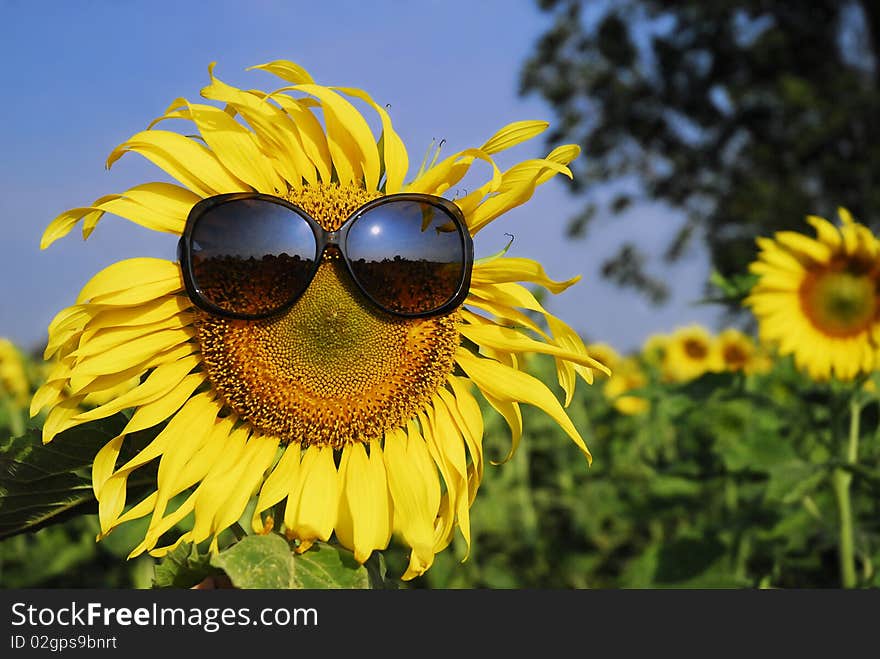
[841,480]
[16,419]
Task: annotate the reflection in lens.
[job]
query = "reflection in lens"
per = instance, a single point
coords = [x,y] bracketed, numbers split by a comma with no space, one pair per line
[407,255]
[252,256]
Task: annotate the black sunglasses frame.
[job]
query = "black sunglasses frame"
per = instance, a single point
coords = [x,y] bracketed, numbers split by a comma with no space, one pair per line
[323,240]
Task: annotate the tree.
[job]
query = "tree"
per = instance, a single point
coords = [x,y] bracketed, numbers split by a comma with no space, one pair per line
[745,115]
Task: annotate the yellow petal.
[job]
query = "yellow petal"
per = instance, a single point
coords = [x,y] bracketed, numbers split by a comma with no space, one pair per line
[278,484]
[394,157]
[127,355]
[276,134]
[505,313]
[310,134]
[563,154]
[164,524]
[60,418]
[206,455]
[132,281]
[157,206]
[364,519]
[214,487]
[190,438]
[825,231]
[156,411]
[507,269]
[450,171]
[466,414]
[258,456]
[285,70]
[143,314]
[162,380]
[234,146]
[352,146]
[313,504]
[508,339]
[512,415]
[508,384]
[104,387]
[143,508]
[101,339]
[509,294]
[188,161]
[513,134]
[111,492]
[450,447]
[517,186]
[566,338]
[104,464]
[415,491]
[65,326]
[804,245]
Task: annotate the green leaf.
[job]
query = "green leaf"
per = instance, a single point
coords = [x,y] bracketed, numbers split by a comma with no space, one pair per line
[667,486]
[183,567]
[268,561]
[42,484]
[792,480]
[39,484]
[258,561]
[686,559]
[378,573]
[326,566]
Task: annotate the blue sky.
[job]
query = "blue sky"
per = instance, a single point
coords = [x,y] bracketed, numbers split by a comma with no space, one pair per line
[81,77]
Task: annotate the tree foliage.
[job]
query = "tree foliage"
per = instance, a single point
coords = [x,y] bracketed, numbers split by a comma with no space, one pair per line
[745,115]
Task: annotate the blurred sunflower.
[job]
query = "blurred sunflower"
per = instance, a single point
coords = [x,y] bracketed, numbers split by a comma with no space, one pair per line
[690,352]
[604,353]
[627,376]
[14,382]
[654,349]
[735,349]
[817,299]
[739,352]
[337,417]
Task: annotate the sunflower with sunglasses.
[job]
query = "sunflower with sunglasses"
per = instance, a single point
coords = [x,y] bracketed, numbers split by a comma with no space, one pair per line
[317,346]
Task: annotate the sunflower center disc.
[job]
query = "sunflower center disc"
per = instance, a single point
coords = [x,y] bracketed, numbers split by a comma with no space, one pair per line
[841,303]
[333,368]
[695,349]
[735,356]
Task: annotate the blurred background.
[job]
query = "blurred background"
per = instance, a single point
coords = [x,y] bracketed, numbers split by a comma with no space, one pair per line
[703,125]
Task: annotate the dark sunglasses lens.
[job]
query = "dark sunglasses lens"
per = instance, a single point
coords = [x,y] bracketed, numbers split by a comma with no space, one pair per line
[407,255]
[251,256]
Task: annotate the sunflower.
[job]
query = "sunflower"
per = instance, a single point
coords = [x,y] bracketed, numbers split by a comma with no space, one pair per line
[690,352]
[735,349]
[15,385]
[817,298]
[604,353]
[654,349]
[335,418]
[627,376]
[738,352]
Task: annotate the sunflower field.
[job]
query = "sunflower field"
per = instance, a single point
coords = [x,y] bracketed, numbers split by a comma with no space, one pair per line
[326,389]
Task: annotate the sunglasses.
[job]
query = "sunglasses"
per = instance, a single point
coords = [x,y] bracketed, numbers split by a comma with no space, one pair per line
[251,255]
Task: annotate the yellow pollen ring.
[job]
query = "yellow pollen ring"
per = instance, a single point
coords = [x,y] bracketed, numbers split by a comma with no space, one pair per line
[333,368]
